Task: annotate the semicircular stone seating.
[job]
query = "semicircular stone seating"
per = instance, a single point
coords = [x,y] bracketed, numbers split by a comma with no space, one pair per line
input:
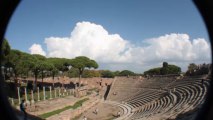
[156,98]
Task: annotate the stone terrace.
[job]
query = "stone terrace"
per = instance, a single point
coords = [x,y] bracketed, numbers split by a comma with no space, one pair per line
[157,98]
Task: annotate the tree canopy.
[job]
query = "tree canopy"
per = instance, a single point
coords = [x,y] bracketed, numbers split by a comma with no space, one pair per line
[25,64]
[83,62]
[164,70]
[126,73]
[5,51]
[107,74]
[201,69]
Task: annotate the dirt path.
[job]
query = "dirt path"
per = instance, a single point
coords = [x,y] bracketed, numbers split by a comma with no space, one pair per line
[105,112]
[53,104]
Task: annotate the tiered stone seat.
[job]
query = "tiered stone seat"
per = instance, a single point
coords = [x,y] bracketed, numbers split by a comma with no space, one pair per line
[144,97]
[159,98]
[126,109]
[123,93]
[124,88]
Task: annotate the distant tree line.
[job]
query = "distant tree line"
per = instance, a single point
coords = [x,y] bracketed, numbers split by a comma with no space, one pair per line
[15,63]
[200,69]
[111,74]
[73,72]
[21,64]
[164,70]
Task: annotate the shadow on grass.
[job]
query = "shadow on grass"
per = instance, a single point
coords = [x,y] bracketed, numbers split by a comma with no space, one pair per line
[29,116]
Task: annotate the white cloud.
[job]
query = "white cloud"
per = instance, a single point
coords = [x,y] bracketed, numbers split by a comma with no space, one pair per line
[37,49]
[112,51]
[90,40]
[176,47]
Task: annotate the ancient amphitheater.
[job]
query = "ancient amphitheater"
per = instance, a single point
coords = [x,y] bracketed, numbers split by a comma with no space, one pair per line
[136,98]
[157,98]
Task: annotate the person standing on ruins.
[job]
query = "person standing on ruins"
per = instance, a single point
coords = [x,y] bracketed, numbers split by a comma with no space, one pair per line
[119,113]
[96,111]
[23,108]
[84,118]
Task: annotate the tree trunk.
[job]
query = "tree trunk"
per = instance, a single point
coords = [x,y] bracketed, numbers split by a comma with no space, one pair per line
[80,75]
[62,79]
[53,76]
[79,85]
[35,83]
[42,77]
[16,85]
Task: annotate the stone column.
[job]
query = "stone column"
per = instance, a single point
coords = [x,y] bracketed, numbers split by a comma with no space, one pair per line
[44,93]
[38,93]
[19,99]
[50,93]
[67,92]
[55,92]
[80,84]
[59,92]
[70,91]
[76,86]
[25,93]
[73,91]
[32,97]
[63,92]
[12,101]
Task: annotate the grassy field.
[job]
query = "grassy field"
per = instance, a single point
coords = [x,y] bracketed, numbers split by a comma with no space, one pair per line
[75,106]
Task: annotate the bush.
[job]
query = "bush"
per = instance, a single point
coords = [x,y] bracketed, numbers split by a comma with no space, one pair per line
[126,73]
[29,86]
[165,69]
[107,74]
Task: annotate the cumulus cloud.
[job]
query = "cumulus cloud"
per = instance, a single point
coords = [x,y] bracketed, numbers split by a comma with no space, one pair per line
[92,41]
[175,47]
[37,49]
[112,51]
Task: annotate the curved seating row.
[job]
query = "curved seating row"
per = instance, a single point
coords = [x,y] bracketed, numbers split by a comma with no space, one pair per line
[149,101]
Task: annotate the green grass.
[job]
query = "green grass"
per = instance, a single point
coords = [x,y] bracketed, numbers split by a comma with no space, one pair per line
[46,115]
[90,91]
[79,103]
[76,105]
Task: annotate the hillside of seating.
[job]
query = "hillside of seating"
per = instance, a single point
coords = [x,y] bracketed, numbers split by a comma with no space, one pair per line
[158,97]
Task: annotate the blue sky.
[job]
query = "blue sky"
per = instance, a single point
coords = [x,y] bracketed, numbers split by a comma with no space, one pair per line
[134,21]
